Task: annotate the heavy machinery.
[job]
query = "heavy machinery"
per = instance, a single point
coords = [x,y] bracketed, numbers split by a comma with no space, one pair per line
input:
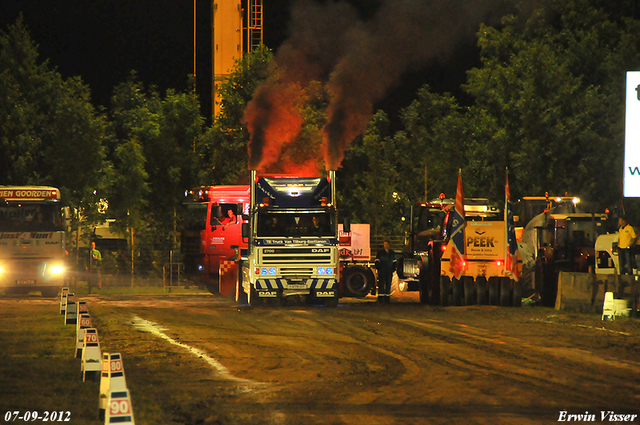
[485,278]
[424,264]
[292,240]
[562,238]
[419,266]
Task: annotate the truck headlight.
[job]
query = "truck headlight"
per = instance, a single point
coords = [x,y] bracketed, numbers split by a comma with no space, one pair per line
[1,270]
[56,270]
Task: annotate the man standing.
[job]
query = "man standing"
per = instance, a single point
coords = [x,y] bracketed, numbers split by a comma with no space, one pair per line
[95,262]
[386,264]
[626,241]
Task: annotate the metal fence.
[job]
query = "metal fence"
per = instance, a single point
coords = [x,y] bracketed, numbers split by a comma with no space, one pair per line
[396,242]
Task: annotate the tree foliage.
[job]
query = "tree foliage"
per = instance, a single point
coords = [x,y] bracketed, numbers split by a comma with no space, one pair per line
[50,133]
[547,101]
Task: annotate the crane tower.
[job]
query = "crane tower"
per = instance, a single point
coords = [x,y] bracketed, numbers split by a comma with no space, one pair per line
[237,29]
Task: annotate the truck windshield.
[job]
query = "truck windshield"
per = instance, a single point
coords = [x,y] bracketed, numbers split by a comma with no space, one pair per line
[196,217]
[313,223]
[30,216]
[428,227]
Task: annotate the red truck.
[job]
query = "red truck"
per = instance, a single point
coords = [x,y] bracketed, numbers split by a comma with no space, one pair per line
[212,235]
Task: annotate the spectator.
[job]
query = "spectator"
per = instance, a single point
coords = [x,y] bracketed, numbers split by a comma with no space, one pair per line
[386,264]
[95,263]
[626,241]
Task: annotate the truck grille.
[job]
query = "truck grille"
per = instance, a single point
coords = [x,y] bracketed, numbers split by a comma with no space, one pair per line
[307,256]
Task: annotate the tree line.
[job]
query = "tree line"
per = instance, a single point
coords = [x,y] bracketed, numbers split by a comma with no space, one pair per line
[546,102]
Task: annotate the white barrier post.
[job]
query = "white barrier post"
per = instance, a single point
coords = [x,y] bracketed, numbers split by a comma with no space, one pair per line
[112,378]
[608,309]
[83,307]
[91,365]
[70,313]
[84,322]
[63,299]
[119,410]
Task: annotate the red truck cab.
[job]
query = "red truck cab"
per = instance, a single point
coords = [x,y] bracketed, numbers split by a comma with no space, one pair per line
[212,234]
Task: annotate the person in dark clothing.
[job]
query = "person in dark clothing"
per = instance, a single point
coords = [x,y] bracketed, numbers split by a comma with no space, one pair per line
[386,264]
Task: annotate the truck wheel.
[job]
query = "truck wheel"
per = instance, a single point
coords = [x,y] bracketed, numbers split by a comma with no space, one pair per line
[505,292]
[457,292]
[517,294]
[482,291]
[358,281]
[494,291]
[444,291]
[423,282]
[469,290]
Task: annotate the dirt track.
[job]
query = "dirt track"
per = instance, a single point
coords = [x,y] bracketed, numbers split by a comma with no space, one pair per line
[404,363]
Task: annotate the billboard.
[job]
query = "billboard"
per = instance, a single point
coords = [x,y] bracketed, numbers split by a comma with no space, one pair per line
[631,178]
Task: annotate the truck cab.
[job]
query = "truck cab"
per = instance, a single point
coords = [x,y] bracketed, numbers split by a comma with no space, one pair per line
[212,234]
[292,240]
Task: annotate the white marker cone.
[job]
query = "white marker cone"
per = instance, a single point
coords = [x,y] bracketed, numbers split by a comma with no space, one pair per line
[63,299]
[84,322]
[70,313]
[91,354]
[83,307]
[608,309]
[112,378]
[119,408]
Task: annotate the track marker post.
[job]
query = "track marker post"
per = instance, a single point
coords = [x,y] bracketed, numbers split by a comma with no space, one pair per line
[71,311]
[63,299]
[84,322]
[90,366]
[119,408]
[608,309]
[112,379]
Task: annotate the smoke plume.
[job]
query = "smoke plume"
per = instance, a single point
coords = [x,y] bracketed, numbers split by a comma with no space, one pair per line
[358,60]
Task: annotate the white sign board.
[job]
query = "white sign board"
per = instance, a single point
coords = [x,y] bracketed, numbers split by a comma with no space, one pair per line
[631,178]
[355,245]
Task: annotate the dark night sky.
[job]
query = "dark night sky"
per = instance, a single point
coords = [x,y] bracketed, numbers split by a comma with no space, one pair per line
[103,40]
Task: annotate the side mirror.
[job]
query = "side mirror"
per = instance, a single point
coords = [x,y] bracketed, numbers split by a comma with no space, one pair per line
[246,230]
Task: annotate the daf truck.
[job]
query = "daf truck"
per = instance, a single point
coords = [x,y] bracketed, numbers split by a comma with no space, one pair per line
[292,236]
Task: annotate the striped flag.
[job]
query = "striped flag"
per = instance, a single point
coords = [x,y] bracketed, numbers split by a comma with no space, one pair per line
[456,265]
[511,247]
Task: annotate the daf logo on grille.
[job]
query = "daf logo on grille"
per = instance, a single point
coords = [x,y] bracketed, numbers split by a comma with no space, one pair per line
[269,251]
[320,250]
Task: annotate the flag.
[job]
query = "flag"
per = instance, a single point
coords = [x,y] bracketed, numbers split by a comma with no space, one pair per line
[511,245]
[456,265]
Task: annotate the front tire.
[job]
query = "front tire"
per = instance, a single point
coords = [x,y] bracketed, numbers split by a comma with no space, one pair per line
[517,294]
[482,291]
[494,291]
[506,299]
[444,290]
[469,293]
[358,281]
[457,292]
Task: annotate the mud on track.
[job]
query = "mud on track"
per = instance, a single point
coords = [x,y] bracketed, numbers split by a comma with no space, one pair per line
[363,363]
